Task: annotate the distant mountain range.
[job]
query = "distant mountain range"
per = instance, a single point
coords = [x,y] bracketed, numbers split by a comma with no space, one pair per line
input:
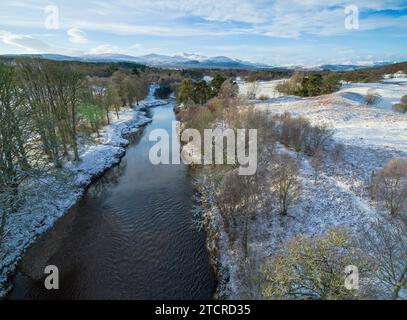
[186,60]
[178,61]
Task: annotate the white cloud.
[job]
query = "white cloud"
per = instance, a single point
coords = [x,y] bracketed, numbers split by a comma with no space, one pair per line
[27,43]
[104,48]
[273,18]
[193,25]
[278,18]
[77,36]
[133,50]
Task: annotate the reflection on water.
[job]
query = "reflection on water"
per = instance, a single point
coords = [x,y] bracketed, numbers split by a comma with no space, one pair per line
[131,236]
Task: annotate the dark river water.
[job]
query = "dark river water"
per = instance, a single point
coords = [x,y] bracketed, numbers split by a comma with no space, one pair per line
[131,236]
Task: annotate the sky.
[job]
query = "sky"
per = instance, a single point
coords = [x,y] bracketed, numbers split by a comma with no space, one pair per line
[275,32]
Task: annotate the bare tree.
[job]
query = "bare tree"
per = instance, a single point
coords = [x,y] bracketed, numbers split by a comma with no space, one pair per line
[285,183]
[372,97]
[130,87]
[14,133]
[53,92]
[389,186]
[294,132]
[337,153]
[316,138]
[238,200]
[387,245]
[252,89]
[317,163]
[299,134]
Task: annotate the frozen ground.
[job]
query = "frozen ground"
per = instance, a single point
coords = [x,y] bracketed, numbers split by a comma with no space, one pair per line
[371,136]
[265,89]
[54,194]
[390,90]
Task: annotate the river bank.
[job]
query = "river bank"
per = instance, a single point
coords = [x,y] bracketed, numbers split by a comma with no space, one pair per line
[216,238]
[370,138]
[61,189]
[130,236]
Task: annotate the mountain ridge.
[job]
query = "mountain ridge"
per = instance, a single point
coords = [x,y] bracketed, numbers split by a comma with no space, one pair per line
[187,60]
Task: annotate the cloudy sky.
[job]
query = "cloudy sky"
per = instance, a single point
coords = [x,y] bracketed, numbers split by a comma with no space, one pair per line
[277,32]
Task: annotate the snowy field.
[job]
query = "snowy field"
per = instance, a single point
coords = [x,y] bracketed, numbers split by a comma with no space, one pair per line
[265,89]
[390,90]
[57,193]
[371,137]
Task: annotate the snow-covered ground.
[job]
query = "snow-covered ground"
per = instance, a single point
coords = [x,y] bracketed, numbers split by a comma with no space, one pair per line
[262,89]
[390,90]
[56,193]
[371,137]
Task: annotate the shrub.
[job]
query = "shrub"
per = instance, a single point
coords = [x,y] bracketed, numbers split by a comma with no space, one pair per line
[386,242]
[238,201]
[389,186]
[402,106]
[311,86]
[317,163]
[252,89]
[293,131]
[285,183]
[300,135]
[314,268]
[316,138]
[372,97]
[337,153]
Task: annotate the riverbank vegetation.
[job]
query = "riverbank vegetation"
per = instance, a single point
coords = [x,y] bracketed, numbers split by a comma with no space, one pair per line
[310,85]
[46,110]
[303,267]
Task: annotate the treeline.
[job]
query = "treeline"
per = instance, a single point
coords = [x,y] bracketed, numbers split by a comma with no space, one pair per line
[44,106]
[200,91]
[372,74]
[310,85]
[96,69]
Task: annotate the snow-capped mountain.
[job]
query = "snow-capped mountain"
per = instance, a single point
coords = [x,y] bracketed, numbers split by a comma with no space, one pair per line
[188,60]
[184,60]
[191,56]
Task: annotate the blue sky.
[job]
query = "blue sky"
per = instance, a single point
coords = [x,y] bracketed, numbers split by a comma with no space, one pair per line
[277,32]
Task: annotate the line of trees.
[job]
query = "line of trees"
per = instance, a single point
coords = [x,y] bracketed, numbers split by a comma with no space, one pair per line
[43,106]
[200,91]
[310,85]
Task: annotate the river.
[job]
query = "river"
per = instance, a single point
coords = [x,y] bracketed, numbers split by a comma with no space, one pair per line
[131,236]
